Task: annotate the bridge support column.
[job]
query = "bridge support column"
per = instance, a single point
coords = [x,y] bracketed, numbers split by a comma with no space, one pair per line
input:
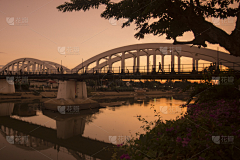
[154,61]
[163,62]
[34,67]
[28,67]
[110,63]
[66,90]
[81,90]
[17,66]
[123,62]
[8,69]
[172,62]
[13,68]
[43,68]
[97,64]
[147,63]
[193,65]
[134,64]
[6,86]
[179,64]
[196,64]
[138,60]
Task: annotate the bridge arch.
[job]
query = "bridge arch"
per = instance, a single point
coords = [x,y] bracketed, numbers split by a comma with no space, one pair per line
[137,50]
[36,65]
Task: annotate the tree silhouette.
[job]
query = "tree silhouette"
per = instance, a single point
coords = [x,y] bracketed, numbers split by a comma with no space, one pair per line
[173,18]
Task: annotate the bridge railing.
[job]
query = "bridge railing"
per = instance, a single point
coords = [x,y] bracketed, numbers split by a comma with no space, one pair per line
[184,68]
[166,68]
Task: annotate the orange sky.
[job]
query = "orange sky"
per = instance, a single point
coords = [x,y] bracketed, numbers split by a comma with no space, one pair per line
[46,29]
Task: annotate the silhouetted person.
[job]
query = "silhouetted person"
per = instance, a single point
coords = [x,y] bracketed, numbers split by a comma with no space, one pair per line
[211,68]
[61,70]
[58,69]
[214,66]
[160,67]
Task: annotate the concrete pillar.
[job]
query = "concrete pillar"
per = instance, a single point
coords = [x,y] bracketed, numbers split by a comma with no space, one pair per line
[179,63]
[172,61]
[97,64]
[154,60]
[86,69]
[134,64]
[110,63]
[12,68]
[147,63]
[196,64]
[138,60]
[8,69]
[34,67]
[193,64]
[81,90]
[22,67]
[7,86]
[17,66]
[123,62]
[163,62]
[66,90]
[28,66]
[43,68]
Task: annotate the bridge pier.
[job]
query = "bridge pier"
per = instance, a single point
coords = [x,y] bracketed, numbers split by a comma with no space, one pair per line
[67,90]
[81,90]
[7,86]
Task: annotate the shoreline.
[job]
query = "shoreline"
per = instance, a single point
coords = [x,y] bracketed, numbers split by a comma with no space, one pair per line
[31,95]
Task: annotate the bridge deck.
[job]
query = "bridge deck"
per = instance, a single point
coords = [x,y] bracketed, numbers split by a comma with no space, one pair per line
[166,75]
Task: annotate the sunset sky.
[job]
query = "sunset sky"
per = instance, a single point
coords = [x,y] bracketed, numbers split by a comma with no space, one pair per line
[39,29]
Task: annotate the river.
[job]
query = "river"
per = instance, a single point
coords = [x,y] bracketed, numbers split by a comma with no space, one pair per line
[29,132]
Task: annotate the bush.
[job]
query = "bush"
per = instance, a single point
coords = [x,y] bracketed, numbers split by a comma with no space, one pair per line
[198,134]
[189,137]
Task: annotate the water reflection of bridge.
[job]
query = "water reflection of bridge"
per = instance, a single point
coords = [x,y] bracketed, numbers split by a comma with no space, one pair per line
[67,135]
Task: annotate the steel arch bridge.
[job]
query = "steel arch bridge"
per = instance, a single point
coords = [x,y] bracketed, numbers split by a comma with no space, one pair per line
[132,51]
[32,65]
[163,49]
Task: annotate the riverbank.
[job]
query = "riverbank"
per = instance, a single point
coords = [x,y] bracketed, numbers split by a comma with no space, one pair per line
[208,130]
[93,95]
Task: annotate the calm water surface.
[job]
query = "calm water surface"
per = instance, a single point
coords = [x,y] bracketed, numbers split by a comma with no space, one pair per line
[111,125]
